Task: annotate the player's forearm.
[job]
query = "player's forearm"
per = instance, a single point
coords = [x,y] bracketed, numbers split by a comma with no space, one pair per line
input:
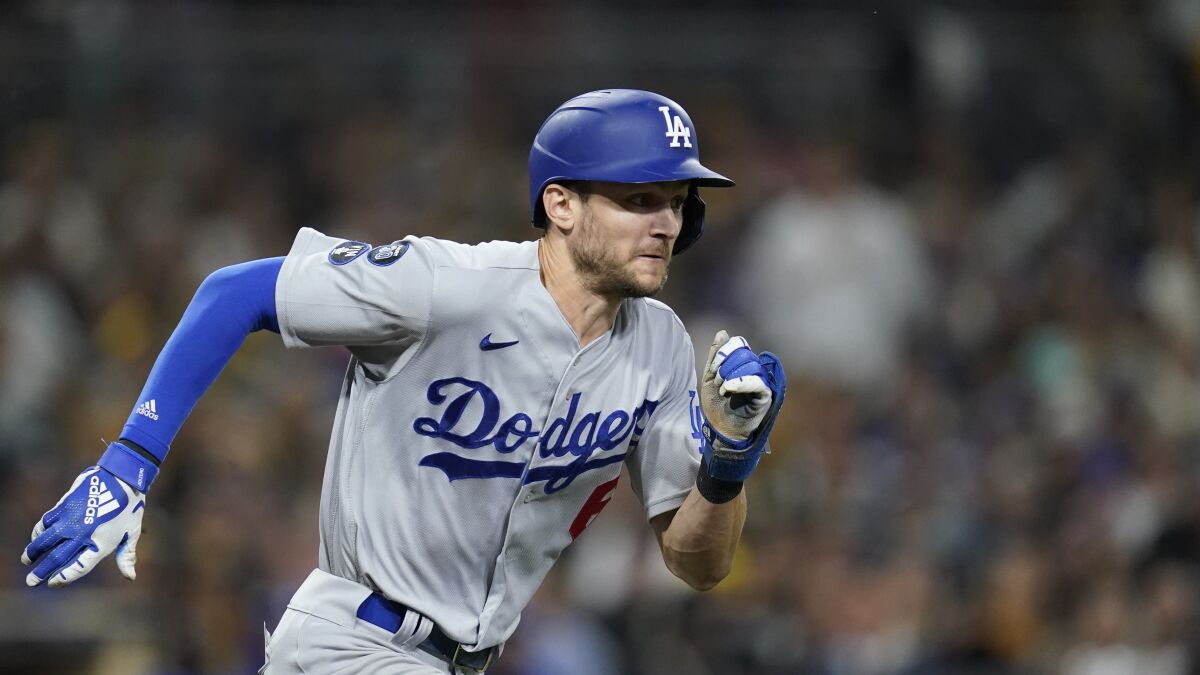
[232,303]
[699,543]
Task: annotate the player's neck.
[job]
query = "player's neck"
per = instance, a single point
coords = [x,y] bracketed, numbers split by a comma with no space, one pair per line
[589,314]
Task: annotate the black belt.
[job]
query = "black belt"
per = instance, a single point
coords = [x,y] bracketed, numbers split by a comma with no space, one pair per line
[389,614]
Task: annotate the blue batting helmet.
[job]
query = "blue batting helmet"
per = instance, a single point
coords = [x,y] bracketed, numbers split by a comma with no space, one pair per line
[621,136]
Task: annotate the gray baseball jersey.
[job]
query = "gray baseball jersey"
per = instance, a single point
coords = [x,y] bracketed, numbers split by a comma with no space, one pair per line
[474,438]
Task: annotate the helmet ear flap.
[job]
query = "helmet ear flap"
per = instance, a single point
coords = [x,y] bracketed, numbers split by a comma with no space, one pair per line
[693,221]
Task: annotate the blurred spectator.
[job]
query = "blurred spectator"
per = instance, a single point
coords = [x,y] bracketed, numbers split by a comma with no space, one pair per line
[839,265]
[49,215]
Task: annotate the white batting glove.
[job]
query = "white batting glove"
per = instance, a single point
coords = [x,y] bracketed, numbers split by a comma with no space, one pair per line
[99,514]
[734,394]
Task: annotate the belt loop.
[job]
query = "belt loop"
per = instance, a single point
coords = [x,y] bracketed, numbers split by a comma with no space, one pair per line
[409,624]
[420,627]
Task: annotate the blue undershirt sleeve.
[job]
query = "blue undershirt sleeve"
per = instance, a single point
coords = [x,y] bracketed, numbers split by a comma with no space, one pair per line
[231,303]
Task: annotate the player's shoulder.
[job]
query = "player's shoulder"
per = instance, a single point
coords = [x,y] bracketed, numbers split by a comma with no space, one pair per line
[489,254]
[434,251]
[656,340]
[656,308]
[655,317]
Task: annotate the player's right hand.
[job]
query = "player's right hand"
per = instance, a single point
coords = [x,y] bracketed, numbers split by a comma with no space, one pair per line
[99,514]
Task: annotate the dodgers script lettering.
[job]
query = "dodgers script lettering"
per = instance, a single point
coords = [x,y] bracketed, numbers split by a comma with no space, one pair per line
[583,436]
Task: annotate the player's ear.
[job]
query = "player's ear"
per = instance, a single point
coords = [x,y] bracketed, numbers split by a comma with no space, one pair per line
[562,206]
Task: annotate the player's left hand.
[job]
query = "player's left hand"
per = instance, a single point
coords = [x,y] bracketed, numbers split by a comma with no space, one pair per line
[735,396]
[99,514]
[740,395]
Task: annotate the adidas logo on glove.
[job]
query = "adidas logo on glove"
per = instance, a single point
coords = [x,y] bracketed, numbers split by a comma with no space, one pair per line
[100,501]
[148,409]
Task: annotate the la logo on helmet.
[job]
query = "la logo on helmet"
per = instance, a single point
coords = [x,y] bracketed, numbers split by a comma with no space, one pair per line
[675,128]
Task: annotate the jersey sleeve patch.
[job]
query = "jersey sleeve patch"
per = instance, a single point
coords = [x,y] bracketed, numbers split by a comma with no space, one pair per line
[382,256]
[347,252]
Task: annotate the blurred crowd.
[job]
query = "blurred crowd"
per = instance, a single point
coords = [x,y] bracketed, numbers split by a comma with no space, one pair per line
[972,235]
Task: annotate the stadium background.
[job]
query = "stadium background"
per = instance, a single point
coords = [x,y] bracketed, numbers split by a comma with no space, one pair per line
[970,228]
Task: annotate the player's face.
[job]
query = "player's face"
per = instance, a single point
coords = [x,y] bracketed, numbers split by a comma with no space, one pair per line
[625,235]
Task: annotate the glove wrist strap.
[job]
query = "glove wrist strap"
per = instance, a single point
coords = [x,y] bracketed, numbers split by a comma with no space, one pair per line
[129,466]
[729,460]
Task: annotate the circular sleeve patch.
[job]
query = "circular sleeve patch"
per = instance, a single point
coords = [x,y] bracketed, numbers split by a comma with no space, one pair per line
[347,251]
[382,256]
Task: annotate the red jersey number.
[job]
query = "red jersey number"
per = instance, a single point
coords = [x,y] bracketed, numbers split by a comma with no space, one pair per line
[599,499]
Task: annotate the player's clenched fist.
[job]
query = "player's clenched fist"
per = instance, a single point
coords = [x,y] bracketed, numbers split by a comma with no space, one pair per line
[98,515]
[740,395]
[735,395]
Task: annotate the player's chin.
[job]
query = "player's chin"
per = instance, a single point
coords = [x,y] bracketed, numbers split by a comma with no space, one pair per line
[650,282]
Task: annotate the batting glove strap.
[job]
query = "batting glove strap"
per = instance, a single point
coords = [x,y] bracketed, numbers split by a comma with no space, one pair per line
[128,465]
[729,460]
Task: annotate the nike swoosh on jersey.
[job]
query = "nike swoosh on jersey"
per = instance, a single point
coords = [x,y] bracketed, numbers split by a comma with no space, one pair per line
[487,345]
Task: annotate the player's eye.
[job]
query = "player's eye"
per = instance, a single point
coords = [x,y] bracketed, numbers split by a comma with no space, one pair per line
[677,203]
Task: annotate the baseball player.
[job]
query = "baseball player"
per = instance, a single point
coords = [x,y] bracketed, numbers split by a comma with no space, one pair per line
[493,395]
